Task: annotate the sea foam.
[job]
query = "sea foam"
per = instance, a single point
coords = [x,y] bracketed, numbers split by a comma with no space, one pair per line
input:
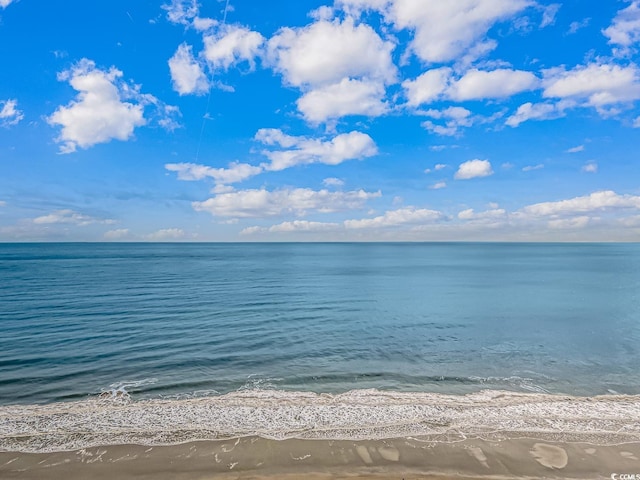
[357,415]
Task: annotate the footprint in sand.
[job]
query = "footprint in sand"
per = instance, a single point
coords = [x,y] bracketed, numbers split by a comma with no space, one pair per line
[629,455]
[389,453]
[478,454]
[363,453]
[550,456]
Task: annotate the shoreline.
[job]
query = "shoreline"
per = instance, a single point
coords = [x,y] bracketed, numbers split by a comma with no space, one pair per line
[262,459]
[356,415]
[362,434]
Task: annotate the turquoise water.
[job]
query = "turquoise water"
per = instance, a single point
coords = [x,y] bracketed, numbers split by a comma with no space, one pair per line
[175,320]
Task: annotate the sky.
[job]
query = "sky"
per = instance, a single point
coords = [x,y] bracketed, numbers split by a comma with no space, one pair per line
[345,120]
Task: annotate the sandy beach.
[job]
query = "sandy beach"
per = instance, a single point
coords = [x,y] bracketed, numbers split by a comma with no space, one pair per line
[400,458]
[296,435]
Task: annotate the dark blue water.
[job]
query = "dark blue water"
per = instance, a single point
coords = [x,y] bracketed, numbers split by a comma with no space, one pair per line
[185,319]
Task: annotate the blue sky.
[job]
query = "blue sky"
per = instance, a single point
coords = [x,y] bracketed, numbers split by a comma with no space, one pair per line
[354,120]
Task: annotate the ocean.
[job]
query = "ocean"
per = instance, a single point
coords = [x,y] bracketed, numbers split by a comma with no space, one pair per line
[176,321]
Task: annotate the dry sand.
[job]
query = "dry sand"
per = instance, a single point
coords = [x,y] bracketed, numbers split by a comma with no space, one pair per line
[256,458]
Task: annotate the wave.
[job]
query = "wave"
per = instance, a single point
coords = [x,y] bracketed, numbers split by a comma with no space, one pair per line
[355,415]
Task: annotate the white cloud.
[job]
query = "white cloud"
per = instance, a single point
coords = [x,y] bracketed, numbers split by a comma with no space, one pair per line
[473,169]
[333,182]
[117,234]
[549,14]
[186,73]
[394,218]
[534,111]
[529,168]
[444,31]
[595,84]
[625,29]
[9,114]
[3,203]
[486,216]
[99,114]
[597,201]
[636,123]
[181,11]
[590,167]
[438,186]
[577,25]
[230,45]
[347,97]
[500,83]
[5,3]
[428,87]
[303,226]
[298,201]
[166,234]
[439,84]
[303,150]
[579,148]
[569,223]
[440,166]
[236,172]
[455,118]
[324,53]
[69,217]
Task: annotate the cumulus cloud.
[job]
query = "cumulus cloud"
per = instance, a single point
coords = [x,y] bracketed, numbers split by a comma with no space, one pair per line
[230,45]
[296,226]
[473,169]
[454,118]
[299,201]
[625,29]
[594,85]
[325,52]
[9,113]
[438,185]
[5,3]
[181,11]
[590,167]
[569,223]
[488,216]
[235,172]
[166,234]
[100,113]
[394,218]
[303,150]
[443,31]
[347,97]
[597,201]
[286,151]
[534,111]
[186,72]
[500,83]
[390,219]
[69,217]
[440,84]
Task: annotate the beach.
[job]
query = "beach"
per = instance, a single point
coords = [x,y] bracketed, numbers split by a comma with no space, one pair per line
[400,458]
[359,434]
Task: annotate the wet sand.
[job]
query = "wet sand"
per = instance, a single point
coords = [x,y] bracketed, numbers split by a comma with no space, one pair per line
[256,458]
